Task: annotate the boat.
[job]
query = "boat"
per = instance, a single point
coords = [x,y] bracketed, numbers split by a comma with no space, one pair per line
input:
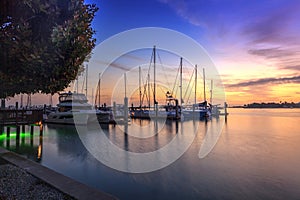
[74,108]
[199,111]
[140,112]
[144,112]
[170,110]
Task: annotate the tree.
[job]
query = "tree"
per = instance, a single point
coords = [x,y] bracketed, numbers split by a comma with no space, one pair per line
[43,43]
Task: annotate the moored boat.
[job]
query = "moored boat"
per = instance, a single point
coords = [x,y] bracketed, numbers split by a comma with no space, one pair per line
[73,108]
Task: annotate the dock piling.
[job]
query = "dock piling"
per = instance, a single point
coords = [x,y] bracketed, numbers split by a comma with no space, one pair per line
[225,108]
[41,130]
[31,130]
[18,132]
[8,131]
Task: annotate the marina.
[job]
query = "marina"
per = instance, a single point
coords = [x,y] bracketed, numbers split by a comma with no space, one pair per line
[238,167]
[153,100]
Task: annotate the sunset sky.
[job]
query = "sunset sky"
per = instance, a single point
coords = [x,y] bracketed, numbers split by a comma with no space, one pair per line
[255,45]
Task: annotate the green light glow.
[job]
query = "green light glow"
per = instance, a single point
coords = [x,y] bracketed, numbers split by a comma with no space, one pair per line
[14,135]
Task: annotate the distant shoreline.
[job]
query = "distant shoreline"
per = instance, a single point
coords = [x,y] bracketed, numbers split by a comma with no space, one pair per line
[262,107]
[269,105]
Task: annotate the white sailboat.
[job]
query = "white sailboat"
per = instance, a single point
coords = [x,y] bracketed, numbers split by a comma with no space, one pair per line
[200,111]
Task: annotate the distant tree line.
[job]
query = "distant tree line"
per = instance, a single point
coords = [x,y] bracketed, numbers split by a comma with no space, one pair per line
[273,105]
[43,44]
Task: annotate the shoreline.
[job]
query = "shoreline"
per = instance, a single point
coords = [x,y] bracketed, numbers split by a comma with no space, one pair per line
[21,178]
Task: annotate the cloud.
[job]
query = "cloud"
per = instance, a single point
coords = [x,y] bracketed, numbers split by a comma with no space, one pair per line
[271,52]
[273,23]
[114,65]
[265,81]
[292,67]
[188,10]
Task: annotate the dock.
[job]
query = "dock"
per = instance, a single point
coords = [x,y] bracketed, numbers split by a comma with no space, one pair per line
[19,118]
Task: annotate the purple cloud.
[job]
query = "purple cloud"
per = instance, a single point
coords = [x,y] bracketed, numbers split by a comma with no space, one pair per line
[264,81]
[272,52]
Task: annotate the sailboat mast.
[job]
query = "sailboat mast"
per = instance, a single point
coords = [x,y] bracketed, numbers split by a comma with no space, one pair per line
[196,73]
[125,88]
[99,89]
[140,81]
[86,81]
[149,90]
[77,85]
[211,89]
[204,85]
[154,76]
[181,82]
[93,96]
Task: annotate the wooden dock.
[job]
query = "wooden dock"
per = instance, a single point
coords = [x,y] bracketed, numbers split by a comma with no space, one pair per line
[20,116]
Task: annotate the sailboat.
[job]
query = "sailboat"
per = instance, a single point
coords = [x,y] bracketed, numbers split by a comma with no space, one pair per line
[202,110]
[104,114]
[171,110]
[140,112]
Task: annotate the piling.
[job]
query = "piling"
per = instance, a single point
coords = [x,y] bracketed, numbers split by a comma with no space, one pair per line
[114,110]
[177,113]
[31,130]
[18,133]
[41,130]
[23,128]
[8,131]
[126,110]
[225,109]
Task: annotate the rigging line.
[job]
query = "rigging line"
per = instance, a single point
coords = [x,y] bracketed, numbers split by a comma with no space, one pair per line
[162,90]
[164,70]
[188,85]
[82,88]
[145,89]
[175,81]
[190,91]
[97,93]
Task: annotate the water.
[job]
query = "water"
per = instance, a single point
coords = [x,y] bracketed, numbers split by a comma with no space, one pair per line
[256,157]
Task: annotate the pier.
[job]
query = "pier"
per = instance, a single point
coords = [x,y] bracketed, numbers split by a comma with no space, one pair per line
[18,119]
[20,116]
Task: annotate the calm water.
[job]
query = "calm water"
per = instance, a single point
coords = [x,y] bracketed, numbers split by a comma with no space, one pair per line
[257,156]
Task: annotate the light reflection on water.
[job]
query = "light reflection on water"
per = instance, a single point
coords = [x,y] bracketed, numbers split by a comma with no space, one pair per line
[256,157]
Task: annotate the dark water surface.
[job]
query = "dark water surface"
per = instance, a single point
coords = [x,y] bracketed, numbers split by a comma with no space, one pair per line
[257,156]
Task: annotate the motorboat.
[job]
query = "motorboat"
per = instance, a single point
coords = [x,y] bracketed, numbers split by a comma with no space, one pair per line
[73,108]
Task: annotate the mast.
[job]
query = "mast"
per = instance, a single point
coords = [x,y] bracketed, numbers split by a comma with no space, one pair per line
[204,85]
[196,73]
[211,89]
[86,80]
[93,96]
[154,76]
[77,85]
[149,91]
[99,90]
[125,88]
[181,81]
[125,100]
[140,87]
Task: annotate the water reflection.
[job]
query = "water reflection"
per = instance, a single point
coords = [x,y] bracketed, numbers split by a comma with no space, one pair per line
[256,157]
[24,143]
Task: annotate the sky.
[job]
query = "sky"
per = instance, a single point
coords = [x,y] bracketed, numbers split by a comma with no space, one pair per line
[255,45]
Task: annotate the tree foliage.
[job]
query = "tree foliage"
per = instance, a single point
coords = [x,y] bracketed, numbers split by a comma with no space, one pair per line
[43,43]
